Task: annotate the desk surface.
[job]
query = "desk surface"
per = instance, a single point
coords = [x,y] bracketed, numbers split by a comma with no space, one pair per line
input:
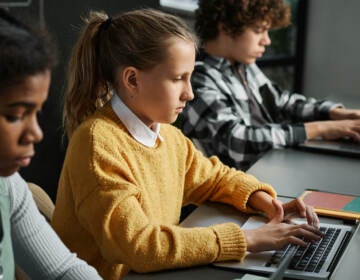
[198,273]
[291,172]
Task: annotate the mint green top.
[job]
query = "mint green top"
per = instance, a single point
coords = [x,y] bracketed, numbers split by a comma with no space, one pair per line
[7,266]
[33,245]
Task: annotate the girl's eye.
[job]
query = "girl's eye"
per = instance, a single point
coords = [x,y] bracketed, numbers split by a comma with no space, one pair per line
[12,119]
[179,78]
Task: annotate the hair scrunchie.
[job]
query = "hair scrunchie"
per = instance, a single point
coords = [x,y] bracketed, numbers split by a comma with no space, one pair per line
[105,24]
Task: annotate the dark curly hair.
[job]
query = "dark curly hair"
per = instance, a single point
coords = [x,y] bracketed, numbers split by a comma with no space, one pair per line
[236,15]
[23,51]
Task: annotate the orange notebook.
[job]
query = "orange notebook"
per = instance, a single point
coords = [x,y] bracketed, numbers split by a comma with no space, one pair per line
[333,204]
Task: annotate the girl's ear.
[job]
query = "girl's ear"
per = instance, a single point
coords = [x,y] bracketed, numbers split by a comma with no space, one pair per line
[130,79]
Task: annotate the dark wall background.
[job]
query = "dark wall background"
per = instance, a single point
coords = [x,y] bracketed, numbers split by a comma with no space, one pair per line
[63,19]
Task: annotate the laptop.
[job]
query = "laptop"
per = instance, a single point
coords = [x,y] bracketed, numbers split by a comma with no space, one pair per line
[317,261]
[346,148]
[184,5]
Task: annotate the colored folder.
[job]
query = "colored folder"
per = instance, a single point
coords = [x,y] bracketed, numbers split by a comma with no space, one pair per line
[333,204]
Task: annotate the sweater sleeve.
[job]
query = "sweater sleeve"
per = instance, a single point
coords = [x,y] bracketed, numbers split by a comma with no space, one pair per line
[126,235]
[37,248]
[210,179]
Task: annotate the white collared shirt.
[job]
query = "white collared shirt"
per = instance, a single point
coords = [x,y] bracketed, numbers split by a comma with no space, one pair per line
[141,133]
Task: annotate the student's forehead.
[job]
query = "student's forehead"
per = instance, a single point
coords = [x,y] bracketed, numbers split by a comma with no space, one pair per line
[174,43]
[180,51]
[14,98]
[263,23]
[21,94]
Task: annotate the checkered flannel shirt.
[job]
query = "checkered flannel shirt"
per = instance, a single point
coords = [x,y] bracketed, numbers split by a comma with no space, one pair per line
[219,118]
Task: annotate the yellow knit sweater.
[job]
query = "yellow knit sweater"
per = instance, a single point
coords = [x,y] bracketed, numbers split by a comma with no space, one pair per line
[118,203]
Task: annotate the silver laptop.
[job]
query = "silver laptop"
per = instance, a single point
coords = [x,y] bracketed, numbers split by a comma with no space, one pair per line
[317,261]
[184,5]
[346,148]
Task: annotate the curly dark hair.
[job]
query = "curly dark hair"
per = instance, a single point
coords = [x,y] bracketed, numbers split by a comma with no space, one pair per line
[24,51]
[236,15]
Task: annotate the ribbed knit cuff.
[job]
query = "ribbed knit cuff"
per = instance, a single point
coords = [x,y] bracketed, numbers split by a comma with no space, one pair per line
[242,194]
[231,240]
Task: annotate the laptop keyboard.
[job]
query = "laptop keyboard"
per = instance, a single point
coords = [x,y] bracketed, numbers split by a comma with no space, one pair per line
[312,257]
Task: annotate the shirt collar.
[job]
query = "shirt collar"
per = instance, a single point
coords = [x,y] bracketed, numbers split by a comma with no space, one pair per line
[134,125]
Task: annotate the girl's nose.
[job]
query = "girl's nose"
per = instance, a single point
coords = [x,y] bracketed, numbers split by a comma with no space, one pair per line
[33,132]
[188,92]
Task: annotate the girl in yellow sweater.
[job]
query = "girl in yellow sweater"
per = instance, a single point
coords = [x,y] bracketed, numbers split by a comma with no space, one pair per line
[126,177]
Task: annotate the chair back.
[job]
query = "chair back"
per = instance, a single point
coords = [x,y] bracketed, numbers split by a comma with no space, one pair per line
[43,201]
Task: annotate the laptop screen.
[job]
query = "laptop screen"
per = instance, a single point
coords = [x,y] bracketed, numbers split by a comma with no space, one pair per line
[345,148]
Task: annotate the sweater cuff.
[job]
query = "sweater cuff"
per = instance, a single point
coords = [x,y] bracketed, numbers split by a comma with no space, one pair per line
[231,240]
[241,196]
[326,107]
[298,133]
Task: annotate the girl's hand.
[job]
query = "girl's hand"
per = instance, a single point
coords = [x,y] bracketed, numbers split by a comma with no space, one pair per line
[297,208]
[273,208]
[275,235]
[293,209]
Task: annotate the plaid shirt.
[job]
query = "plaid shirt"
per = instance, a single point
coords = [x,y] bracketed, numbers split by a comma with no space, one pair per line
[219,116]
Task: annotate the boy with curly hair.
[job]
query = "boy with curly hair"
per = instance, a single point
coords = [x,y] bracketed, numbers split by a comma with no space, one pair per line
[238,113]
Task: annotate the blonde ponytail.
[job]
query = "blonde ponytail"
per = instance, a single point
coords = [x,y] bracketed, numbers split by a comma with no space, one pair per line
[86,88]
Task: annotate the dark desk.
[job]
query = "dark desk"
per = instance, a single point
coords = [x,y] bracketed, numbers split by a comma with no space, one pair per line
[195,273]
[291,172]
